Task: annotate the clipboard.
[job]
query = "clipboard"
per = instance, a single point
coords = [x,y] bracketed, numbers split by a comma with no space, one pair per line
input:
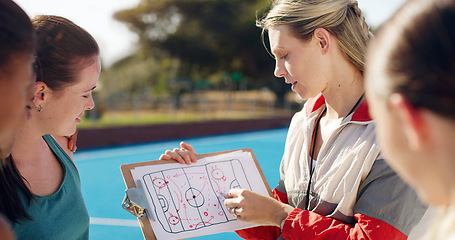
[135,202]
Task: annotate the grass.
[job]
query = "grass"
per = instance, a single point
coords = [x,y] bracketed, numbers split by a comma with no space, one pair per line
[131,118]
[207,106]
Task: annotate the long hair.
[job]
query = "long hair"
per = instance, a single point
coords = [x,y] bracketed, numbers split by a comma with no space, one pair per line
[342,18]
[10,202]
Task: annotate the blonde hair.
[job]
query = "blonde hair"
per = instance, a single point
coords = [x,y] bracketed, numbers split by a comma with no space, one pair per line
[342,18]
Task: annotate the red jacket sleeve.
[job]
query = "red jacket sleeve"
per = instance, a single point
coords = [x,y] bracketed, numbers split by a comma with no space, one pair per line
[303,224]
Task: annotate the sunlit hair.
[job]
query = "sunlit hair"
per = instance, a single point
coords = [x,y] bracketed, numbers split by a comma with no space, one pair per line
[64,50]
[342,18]
[414,55]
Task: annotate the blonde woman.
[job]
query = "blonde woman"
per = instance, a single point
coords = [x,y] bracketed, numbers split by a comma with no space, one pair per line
[411,86]
[334,182]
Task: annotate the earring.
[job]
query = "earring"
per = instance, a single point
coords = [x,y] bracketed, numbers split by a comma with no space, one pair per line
[39,108]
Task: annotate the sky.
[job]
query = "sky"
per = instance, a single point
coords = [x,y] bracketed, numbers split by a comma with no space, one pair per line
[117,41]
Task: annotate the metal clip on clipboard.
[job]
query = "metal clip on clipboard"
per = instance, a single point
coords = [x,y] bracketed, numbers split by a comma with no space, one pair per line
[136,203]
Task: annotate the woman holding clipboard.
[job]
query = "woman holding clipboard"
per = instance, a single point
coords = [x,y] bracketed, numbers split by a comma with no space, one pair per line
[334,182]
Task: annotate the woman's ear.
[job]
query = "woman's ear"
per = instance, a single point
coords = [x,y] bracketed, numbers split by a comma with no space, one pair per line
[323,38]
[41,93]
[411,119]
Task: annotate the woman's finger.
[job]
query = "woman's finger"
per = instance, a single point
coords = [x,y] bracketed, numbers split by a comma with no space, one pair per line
[235,192]
[233,198]
[236,211]
[175,156]
[188,147]
[72,142]
[185,155]
[165,157]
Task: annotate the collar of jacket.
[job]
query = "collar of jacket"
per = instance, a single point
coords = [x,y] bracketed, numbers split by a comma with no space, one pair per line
[360,115]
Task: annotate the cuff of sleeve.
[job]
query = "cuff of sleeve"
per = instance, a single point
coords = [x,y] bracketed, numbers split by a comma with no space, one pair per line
[282,223]
[286,228]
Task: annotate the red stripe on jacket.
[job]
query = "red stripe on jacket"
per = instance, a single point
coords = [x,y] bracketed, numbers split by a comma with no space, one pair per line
[303,224]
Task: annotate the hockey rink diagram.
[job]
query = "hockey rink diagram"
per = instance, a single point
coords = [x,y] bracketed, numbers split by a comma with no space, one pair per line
[190,198]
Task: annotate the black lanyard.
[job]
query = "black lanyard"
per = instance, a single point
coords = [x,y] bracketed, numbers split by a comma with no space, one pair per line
[315,134]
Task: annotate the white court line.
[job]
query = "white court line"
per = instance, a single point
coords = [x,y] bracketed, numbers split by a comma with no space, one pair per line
[114,222]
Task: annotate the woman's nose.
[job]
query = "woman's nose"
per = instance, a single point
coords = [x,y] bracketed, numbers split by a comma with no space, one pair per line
[280,71]
[91,103]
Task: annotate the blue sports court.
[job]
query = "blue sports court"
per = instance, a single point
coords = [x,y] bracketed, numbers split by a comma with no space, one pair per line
[103,187]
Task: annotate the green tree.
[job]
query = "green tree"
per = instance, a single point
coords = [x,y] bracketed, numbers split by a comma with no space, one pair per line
[205,38]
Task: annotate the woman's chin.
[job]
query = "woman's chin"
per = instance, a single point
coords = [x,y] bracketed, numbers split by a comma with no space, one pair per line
[304,96]
[69,132]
